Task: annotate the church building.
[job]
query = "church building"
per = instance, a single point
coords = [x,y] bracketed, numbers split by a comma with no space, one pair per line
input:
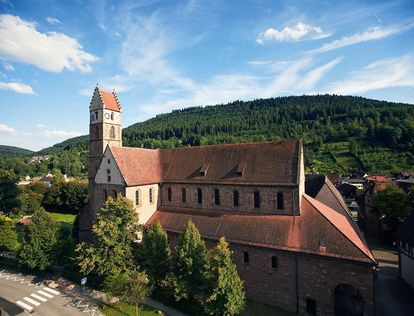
[304,254]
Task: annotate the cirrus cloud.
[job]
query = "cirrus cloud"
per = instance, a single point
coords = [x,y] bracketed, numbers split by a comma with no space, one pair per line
[300,31]
[52,51]
[384,73]
[371,34]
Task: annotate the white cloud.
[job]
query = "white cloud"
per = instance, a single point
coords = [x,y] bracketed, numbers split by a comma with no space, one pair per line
[52,20]
[300,31]
[40,125]
[7,67]
[7,129]
[16,87]
[371,34]
[59,133]
[52,51]
[385,73]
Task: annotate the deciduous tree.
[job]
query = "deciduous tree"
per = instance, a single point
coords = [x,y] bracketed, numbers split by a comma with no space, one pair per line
[37,250]
[393,205]
[114,233]
[131,287]
[8,236]
[224,293]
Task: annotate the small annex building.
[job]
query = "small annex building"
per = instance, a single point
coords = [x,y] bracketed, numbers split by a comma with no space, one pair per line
[294,248]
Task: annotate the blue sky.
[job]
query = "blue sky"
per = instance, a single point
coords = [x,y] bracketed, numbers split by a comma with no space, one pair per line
[164,55]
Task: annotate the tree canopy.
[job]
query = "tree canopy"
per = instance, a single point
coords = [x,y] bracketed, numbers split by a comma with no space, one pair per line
[38,248]
[8,236]
[114,234]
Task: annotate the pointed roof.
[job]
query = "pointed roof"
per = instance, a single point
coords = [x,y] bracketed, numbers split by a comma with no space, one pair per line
[283,232]
[138,166]
[109,100]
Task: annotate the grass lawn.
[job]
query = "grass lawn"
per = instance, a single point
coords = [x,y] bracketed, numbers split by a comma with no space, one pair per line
[63,218]
[126,309]
[254,309]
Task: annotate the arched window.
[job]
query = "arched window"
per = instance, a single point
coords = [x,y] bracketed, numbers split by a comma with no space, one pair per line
[169,193]
[114,194]
[184,195]
[112,132]
[150,193]
[105,194]
[112,116]
[280,201]
[257,199]
[236,198]
[216,197]
[136,197]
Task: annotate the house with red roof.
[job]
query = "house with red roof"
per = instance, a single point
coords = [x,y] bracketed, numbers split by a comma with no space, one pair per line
[293,248]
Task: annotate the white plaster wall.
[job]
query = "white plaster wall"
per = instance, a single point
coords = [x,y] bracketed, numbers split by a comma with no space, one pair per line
[407,269]
[145,209]
[102,174]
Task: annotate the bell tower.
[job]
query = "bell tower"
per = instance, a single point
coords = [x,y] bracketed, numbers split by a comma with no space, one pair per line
[105,129]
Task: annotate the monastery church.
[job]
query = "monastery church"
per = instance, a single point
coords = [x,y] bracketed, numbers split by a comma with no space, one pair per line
[293,240]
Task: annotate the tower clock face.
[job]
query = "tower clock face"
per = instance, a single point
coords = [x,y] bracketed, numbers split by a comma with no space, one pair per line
[107,116]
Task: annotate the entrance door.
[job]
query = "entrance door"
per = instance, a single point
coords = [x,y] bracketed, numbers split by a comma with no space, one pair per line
[348,302]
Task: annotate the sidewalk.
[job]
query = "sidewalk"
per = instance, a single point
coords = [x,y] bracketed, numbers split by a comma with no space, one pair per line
[94,298]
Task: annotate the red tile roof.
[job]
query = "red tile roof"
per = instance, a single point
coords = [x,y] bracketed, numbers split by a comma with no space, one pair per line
[290,233]
[110,100]
[377,179]
[138,166]
[262,163]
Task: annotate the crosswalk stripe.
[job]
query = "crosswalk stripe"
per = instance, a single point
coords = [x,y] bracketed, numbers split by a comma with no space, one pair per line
[35,303]
[24,305]
[40,298]
[51,291]
[45,294]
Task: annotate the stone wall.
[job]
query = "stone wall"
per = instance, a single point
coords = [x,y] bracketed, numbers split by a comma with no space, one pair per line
[298,277]
[268,198]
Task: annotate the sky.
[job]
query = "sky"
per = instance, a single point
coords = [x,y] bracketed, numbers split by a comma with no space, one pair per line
[164,55]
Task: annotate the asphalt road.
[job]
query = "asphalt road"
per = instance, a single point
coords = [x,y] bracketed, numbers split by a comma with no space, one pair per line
[394,297]
[24,294]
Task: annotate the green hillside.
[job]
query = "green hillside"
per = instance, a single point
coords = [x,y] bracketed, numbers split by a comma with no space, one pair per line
[10,151]
[341,133]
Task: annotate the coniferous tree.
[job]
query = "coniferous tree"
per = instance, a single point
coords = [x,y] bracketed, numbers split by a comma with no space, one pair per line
[37,250]
[224,294]
[188,277]
[114,233]
[157,254]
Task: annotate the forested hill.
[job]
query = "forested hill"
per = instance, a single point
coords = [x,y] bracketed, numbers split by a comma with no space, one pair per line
[341,133]
[6,151]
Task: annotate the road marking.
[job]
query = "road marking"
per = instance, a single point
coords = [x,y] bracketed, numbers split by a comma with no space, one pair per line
[51,291]
[45,294]
[35,303]
[24,305]
[40,298]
